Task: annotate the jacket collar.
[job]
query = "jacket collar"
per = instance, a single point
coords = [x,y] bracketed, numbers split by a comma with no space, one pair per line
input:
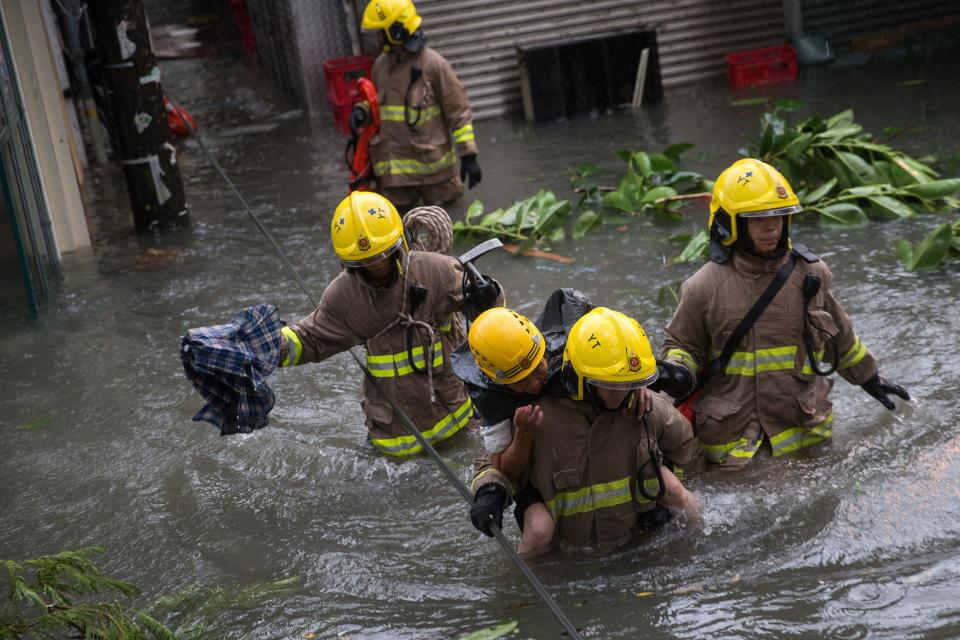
[755,266]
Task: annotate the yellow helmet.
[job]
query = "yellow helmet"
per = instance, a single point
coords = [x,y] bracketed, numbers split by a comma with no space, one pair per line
[748,188]
[608,349]
[397,18]
[506,345]
[364,227]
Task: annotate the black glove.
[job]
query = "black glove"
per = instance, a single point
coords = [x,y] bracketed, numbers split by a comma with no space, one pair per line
[470,167]
[880,388]
[488,506]
[480,296]
[358,118]
[675,380]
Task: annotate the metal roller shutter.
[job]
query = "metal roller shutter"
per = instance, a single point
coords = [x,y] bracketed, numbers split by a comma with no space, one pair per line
[479,37]
[838,22]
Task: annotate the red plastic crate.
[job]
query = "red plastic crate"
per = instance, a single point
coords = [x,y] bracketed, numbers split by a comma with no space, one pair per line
[762,66]
[341,75]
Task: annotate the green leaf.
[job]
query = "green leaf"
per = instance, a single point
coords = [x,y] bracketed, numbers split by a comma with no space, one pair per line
[640,163]
[674,151]
[933,249]
[490,633]
[587,222]
[623,154]
[474,210]
[820,191]
[859,167]
[839,133]
[766,142]
[658,192]
[39,423]
[842,213]
[787,104]
[935,188]
[618,200]
[842,119]
[749,102]
[911,83]
[696,248]
[798,145]
[892,205]
[904,253]
[662,164]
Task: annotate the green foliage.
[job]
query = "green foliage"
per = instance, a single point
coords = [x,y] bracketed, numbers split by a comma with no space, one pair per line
[197,612]
[696,248]
[39,423]
[942,244]
[491,633]
[653,181]
[839,172]
[53,596]
[539,218]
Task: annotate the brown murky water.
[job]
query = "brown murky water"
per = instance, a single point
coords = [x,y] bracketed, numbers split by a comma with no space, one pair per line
[858,541]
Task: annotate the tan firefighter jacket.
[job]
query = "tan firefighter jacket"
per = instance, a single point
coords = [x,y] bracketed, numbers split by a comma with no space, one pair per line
[439,110]
[352,312]
[768,387]
[586,464]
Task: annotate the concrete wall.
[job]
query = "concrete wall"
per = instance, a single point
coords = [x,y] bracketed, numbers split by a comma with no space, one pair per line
[48,121]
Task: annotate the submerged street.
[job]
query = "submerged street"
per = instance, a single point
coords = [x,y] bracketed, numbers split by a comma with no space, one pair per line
[857,539]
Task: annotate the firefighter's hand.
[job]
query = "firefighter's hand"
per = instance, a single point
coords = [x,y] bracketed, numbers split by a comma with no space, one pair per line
[488,507]
[881,390]
[528,419]
[641,403]
[358,118]
[480,296]
[675,380]
[470,167]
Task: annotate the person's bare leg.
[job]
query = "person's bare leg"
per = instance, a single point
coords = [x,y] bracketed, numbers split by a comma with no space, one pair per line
[538,529]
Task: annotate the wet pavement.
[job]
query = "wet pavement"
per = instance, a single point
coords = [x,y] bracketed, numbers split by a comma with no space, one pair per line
[857,540]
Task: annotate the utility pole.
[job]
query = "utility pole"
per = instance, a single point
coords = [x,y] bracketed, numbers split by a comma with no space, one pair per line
[132,78]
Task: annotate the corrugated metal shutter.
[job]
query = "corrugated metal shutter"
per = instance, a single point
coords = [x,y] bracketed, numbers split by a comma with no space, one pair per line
[838,22]
[479,37]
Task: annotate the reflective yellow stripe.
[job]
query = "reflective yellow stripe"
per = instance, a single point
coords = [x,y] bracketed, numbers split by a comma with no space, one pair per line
[475,483]
[408,445]
[798,437]
[741,448]
[750,363]
[807,369]
[854,355]
[397,113]
[409,165]
[598,496]
[449,324]
[684,357]
[294,347]
[398,364]
[463,134]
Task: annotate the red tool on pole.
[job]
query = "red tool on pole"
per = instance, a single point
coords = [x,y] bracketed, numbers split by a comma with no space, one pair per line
[357,154]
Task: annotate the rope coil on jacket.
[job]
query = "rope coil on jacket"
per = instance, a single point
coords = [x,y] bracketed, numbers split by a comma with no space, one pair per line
[436,224]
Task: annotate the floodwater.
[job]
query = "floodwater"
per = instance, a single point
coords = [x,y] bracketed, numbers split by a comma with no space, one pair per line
[857,541]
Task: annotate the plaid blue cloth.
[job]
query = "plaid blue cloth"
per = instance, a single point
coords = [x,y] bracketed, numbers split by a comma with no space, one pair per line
[228,365]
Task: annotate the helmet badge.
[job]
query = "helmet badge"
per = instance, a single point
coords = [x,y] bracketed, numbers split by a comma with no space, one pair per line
[363,244]
[524,363]
[781,191]
[634,363]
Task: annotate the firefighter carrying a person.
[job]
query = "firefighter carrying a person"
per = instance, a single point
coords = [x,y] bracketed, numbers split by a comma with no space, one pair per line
[425,117]
[761,373]
[601,472]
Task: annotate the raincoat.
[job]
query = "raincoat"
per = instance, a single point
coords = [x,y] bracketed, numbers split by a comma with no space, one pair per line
[407,350]
[587,463]
[768,388]
[414,144]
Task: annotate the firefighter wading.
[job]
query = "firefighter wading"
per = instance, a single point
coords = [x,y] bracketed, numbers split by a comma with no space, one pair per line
[424,113]
[408,336]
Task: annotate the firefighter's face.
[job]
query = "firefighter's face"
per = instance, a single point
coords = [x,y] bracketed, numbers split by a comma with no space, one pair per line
[533,383]
[765,233]
[612,398]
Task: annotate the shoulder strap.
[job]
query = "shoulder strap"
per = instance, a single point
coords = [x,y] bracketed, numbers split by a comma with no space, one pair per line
[750,318]
[805,253]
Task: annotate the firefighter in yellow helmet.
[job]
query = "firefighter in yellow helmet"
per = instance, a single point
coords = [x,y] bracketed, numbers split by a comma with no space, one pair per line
[760,373]
[401,305]
[425,117]
[602,472]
